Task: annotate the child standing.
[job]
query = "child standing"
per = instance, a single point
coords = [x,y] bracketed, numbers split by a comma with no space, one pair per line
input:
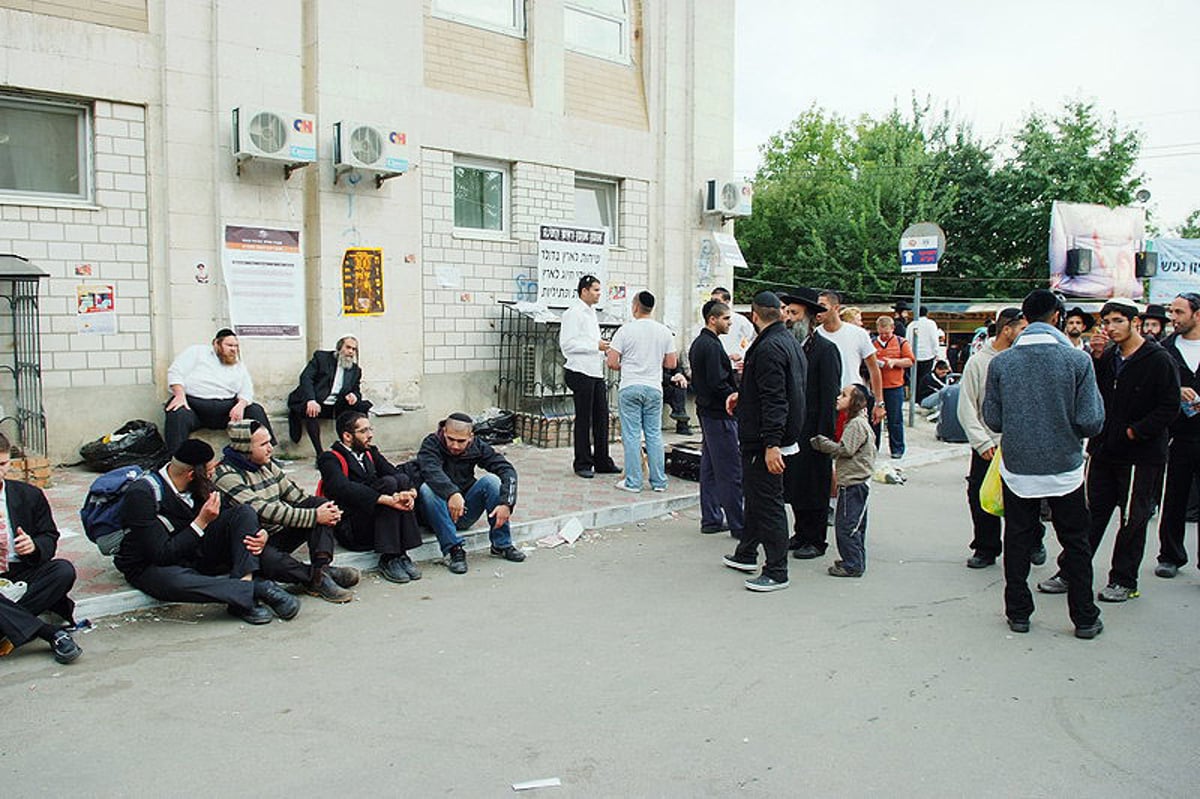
[854,457]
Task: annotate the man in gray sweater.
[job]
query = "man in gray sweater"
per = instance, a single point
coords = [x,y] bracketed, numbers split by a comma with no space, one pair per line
[1041,394]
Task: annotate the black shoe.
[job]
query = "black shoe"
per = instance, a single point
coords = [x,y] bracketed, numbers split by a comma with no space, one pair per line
[710,529]
[1038,556]
[806,552]
[1090,631]
[508,553]
[328,590]
[1018,626]
[683,429]
[456,560]
[587,474]
[392,570]
[409,567]
[281,603]
[294,427]
[747,566]
[980,561]
[65,648]
[611,468]
[345,576]
[255,615]
[1166,570]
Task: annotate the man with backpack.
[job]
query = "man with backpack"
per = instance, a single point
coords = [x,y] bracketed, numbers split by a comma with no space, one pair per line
[376,496]
[180,545]
[28,540]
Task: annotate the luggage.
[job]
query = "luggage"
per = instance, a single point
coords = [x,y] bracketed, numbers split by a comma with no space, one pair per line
[948,428]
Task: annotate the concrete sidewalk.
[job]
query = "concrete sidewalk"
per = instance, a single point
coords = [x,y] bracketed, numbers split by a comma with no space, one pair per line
[549,495]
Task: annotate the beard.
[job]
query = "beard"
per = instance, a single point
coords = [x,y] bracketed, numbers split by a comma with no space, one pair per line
[801,328]
[345,361]
[200,488]
[229,359]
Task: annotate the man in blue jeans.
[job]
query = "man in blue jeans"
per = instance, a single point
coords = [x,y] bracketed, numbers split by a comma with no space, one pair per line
[641,349]
[451,498]
[894,356]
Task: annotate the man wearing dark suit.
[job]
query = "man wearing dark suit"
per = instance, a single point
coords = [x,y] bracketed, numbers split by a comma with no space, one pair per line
[376,497]
[28,540]
[329,386]
[182,546]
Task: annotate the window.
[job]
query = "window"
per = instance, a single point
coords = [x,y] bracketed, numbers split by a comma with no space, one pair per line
[503,16]
[597,27]
[480,196]
[596,203]
[44,150]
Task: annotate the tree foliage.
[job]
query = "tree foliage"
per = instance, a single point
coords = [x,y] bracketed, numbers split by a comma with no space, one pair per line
[833,196]
[1190,229]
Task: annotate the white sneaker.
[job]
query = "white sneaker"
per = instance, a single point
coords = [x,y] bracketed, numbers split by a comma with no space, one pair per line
[621,484]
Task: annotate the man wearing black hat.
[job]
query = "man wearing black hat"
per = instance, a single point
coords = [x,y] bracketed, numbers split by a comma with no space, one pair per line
[1041,395]
[901,317]
[182,546]
[808,473]
[210,387]
[1078,322]
[1154,322]
[770,414]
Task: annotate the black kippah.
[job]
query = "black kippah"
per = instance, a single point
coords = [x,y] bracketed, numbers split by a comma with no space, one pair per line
[459,416]
[194,452]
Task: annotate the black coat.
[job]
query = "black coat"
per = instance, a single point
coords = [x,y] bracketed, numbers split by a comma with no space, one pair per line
[317,379]
[712,375]
[770,406]
[824,384]
[352,489]
[1144,397]
[28,509]
[1184,428]
[159,533]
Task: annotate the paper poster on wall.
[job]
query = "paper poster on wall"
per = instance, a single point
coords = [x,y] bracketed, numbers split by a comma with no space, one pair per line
[565,254]
[264,276]
[1178,269]
[618,301]
[95,309]
[362,281]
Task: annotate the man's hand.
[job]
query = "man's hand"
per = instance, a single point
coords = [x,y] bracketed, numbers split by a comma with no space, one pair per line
[1130,434]
[1187,394]
[255,543]
[178,400]
[210,510]
[329,514]
[500,516]
[774,460]
[351,399]
[1098,341]
[731,403]
[312,409]
[22,544]
[238,411]
[456,505]
[603,345]
[878,414]
[679,380]
[406,500]
[988,453]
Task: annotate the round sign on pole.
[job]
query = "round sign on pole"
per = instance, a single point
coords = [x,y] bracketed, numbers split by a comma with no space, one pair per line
[921,247]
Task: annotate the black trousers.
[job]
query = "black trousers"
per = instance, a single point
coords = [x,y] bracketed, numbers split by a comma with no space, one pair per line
[1022,526]
[1183,466]
[385,530]
[208,413]
[766,516]
[47,587]
[320,540]
[215,574]
[1109,489]
[806,488]
[675,398]
[591,421]
[986,542]
[312,424]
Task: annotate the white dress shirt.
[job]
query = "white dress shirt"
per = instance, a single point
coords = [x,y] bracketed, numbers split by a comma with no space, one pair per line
[201,373]
[579,339]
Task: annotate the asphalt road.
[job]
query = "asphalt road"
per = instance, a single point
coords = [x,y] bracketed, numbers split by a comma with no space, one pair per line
[634,664]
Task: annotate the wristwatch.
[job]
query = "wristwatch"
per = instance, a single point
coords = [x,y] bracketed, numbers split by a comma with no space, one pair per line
[880,405]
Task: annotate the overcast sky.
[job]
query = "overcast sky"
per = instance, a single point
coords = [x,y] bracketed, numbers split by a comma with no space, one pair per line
[990,62]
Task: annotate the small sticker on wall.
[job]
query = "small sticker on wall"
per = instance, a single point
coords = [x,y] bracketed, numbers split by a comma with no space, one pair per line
[202,273]
[95,309]
[83,270]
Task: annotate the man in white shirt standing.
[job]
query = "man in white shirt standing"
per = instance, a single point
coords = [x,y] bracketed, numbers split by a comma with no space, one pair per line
[925,332]
[210,388]
[641,349]
[581,344]
[855,347]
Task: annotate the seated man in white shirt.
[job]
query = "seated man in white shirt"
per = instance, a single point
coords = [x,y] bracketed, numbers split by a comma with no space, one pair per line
[210,387]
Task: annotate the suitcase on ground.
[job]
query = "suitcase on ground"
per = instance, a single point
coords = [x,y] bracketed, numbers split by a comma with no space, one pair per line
[948,428]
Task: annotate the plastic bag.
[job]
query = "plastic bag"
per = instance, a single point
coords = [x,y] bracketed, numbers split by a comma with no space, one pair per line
[991,491]
[500,428]
[135,443]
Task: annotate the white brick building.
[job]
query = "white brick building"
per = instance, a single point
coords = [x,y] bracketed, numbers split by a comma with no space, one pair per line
[115,115]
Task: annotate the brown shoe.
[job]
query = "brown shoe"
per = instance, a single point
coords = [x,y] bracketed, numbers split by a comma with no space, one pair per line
[345,576]
[328,590]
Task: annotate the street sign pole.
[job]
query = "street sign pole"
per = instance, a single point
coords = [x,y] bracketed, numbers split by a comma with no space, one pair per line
[912,370]
[921,247]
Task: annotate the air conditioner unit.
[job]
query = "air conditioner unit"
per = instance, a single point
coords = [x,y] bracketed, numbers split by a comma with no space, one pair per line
[731,198]
[281,136]
[357,145]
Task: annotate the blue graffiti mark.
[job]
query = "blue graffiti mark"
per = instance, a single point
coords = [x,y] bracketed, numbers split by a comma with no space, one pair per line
[527,289]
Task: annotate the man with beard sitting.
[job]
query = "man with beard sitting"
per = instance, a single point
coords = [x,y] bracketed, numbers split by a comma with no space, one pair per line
[329,386]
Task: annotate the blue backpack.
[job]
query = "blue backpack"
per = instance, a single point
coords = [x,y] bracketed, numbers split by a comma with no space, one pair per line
[101,513]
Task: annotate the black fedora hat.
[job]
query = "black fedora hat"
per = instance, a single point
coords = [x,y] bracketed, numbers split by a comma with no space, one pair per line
[900,305]
[1154,311]
[1088,319]
[802,296]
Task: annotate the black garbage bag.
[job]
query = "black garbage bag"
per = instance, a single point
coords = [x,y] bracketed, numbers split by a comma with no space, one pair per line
[135,443]
[499,429]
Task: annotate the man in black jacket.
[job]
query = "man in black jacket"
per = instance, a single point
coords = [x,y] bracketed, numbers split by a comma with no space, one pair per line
[1140,388]
[808,473]
[451,498]
[720,462]
[182,546]
[1183,460]
[376,497]
[329,386]
[770,414]
[28,541]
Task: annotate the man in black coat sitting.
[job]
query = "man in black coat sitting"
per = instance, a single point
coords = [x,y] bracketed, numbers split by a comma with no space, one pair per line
[376,497]
[329,386]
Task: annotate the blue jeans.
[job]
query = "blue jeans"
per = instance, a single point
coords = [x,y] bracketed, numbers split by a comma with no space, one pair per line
[640,408]
[482,496]
[893,403]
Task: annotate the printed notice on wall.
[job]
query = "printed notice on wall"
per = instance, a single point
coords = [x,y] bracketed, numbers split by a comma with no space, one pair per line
[95,309]
[565,254]
[264,275]
[362,282]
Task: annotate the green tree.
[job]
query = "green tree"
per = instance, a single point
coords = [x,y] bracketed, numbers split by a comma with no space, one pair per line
[1190,229]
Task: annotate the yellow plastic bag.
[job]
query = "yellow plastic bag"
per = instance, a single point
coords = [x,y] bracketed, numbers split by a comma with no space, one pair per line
[991,492]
